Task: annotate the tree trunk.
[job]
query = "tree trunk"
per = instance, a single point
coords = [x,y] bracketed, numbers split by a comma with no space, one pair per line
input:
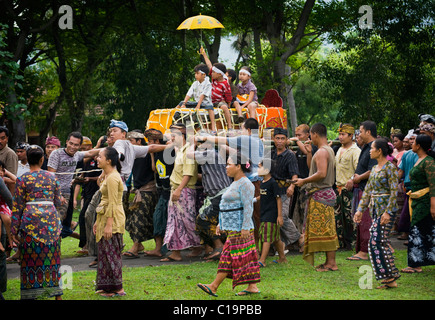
[17,126]
[282,50]
[282,71]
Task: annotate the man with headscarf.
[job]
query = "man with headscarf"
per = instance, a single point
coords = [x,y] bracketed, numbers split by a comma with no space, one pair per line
[346,161]
[286,169]
[21,151]
[127,151]
[428,129]
[51,143]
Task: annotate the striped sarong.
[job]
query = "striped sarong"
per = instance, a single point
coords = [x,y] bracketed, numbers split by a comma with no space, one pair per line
[239,259]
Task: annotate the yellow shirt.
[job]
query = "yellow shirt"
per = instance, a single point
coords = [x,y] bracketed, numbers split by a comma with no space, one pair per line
[111,205]
[184,166]
[346,161]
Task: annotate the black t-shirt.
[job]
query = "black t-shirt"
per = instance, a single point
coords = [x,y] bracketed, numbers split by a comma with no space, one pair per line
[365,163]
[88,189]
[269,191]
[304,171]
[164,171]
[142,171]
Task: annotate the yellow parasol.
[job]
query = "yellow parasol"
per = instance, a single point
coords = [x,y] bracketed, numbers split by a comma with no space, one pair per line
[200,22]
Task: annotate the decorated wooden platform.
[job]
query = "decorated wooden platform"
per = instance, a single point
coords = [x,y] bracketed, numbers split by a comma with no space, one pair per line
[269,114]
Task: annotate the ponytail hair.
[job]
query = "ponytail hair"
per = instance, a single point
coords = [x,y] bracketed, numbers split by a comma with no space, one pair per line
[425,143]
[385,147]
[113,156]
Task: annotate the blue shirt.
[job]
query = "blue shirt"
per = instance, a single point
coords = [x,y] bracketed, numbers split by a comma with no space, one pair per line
[236,206]
[408,161]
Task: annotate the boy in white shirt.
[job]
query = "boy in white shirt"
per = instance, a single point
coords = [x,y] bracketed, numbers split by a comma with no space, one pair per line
[200,91]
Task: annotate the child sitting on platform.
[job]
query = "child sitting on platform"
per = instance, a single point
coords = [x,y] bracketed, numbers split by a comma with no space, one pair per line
[221,91]
[247,93]
[200,91]
[270,214]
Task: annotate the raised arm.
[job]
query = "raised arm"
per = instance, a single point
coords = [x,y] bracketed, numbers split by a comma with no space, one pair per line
[206,58]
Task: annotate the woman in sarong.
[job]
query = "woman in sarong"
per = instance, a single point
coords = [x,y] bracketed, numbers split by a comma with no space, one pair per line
[110,226]
[380,195]
[421,249]
[238,259]
[36,227]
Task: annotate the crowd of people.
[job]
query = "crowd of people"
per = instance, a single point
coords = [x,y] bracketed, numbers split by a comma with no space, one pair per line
[234,199]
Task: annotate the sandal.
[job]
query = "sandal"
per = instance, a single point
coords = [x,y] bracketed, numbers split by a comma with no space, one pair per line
[215,255]
[130,255]
[206,289]
[411,270]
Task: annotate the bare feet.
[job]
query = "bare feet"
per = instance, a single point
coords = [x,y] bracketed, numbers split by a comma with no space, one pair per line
[359,256]
[154,253]
[195,252]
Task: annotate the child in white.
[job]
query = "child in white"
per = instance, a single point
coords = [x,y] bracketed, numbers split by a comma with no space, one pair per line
[200,91]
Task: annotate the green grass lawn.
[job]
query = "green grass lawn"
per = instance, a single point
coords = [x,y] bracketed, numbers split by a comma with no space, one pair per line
[295,280]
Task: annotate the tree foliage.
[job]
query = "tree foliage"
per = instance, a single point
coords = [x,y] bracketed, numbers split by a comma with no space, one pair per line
[123,59]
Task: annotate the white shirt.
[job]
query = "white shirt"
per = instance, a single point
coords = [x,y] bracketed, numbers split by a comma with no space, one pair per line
[198,88]
[22,168]
[130,152]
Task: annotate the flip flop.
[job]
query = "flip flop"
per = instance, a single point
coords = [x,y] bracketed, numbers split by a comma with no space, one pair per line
[206,289]
[169,259]
[113,294]
[130,255]
[355,258]
[246,293]
[261,265]
[386,286]
[410,270]
[322,268]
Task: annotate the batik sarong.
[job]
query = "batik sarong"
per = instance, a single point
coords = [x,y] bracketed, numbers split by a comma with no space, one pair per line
[109,267]
[40,268]
[139,220]
[180,229]
[421,243]
[298,208]
[320,232]
[208,219]
[380,253]
[239,259]
[345,227]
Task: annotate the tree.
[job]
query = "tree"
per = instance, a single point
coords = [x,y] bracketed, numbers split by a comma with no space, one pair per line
[24,21]
[384,74]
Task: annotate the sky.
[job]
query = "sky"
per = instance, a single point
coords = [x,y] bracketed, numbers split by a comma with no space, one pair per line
[227,55]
